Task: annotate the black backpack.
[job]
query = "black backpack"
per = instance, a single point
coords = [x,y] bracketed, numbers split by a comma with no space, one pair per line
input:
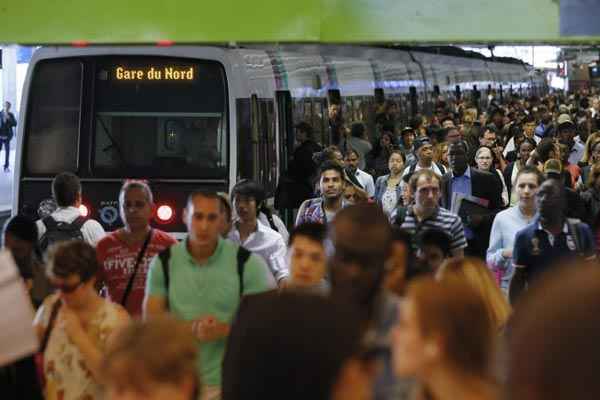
[242,256]
[59,231]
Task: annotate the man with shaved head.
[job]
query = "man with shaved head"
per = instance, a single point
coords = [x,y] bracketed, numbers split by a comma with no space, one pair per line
[362,240]
[361,236]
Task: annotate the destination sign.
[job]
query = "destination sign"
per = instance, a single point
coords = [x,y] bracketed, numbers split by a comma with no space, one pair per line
[151,73]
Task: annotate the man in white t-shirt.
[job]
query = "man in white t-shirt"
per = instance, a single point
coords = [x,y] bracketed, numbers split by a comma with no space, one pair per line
[66,191]
[423,150]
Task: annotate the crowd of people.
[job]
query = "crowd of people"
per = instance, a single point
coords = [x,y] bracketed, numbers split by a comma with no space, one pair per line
[424,262]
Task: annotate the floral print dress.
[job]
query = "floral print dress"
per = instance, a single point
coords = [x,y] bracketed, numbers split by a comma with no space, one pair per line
[67,376]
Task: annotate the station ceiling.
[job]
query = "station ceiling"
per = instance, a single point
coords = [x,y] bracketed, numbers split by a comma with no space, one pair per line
[327,21]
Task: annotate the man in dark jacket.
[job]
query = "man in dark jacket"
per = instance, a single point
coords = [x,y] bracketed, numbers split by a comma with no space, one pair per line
[472,182]
[7,123]
[297,186]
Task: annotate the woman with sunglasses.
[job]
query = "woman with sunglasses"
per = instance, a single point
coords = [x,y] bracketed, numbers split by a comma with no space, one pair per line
[75,324]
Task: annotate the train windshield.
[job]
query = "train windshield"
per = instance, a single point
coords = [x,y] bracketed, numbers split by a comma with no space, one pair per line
[128,116]
[159,117]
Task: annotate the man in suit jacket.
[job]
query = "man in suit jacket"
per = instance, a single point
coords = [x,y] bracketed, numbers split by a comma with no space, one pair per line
[470,181]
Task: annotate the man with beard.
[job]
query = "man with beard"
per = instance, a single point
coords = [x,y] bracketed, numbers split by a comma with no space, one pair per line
[323,209]
[472,182]
[353,159]
[549,240]
[357,272]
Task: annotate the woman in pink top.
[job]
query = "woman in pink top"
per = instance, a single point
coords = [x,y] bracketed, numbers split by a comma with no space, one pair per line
[119,251]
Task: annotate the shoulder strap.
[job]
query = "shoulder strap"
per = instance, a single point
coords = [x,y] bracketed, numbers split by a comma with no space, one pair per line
[49,222]
[242,256]
[51,321]
[574,229]
[135,268]
[412,167]
[271,221]
[78,222]
[400,216]
[164,257]
[441,168]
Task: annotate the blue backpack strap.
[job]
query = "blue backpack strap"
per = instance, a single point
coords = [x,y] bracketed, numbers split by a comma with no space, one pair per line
[165,257]
[242,256]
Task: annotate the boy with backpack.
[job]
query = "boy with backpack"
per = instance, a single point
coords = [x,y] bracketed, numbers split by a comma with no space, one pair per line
[66,222]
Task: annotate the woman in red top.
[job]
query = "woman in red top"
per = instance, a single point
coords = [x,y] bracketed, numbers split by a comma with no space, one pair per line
[119,251]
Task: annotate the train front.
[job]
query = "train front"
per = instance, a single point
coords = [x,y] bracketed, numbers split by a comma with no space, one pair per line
[108,118]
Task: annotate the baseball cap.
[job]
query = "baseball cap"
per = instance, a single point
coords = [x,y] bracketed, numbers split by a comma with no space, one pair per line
[407,129]
[553,166]
[564,120]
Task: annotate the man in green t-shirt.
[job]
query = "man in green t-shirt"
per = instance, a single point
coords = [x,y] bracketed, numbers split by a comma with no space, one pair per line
[204,284]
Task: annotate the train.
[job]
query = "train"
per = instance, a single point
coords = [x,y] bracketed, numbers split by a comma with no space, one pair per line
[189,117]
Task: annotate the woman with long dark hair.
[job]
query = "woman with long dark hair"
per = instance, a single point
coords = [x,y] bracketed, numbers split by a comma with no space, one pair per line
[512,170]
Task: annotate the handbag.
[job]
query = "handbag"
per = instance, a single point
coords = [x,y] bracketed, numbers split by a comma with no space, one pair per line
[39,356]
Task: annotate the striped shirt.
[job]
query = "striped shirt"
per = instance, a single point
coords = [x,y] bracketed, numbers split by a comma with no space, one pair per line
[442,220]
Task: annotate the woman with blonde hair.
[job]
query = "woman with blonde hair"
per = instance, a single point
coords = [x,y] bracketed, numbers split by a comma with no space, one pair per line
[133,369]
[440,154]
[477,275]
[445,339]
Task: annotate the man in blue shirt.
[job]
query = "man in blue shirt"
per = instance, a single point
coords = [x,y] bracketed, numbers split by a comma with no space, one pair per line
[472,182]
[549,240]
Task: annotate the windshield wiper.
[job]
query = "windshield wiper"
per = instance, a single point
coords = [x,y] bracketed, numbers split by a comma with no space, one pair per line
[113,142]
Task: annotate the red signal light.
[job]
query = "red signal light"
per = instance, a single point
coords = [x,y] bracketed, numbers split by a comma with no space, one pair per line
[80,43]
[84,211]
[164,213]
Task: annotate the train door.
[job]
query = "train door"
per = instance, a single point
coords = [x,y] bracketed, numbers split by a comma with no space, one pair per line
[264,143]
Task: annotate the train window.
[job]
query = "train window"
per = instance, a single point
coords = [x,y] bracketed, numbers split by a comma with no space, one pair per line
[268,145]
[160,117]
[52,127]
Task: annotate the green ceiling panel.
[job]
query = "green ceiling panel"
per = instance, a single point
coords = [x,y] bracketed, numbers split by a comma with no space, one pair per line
[349,21]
